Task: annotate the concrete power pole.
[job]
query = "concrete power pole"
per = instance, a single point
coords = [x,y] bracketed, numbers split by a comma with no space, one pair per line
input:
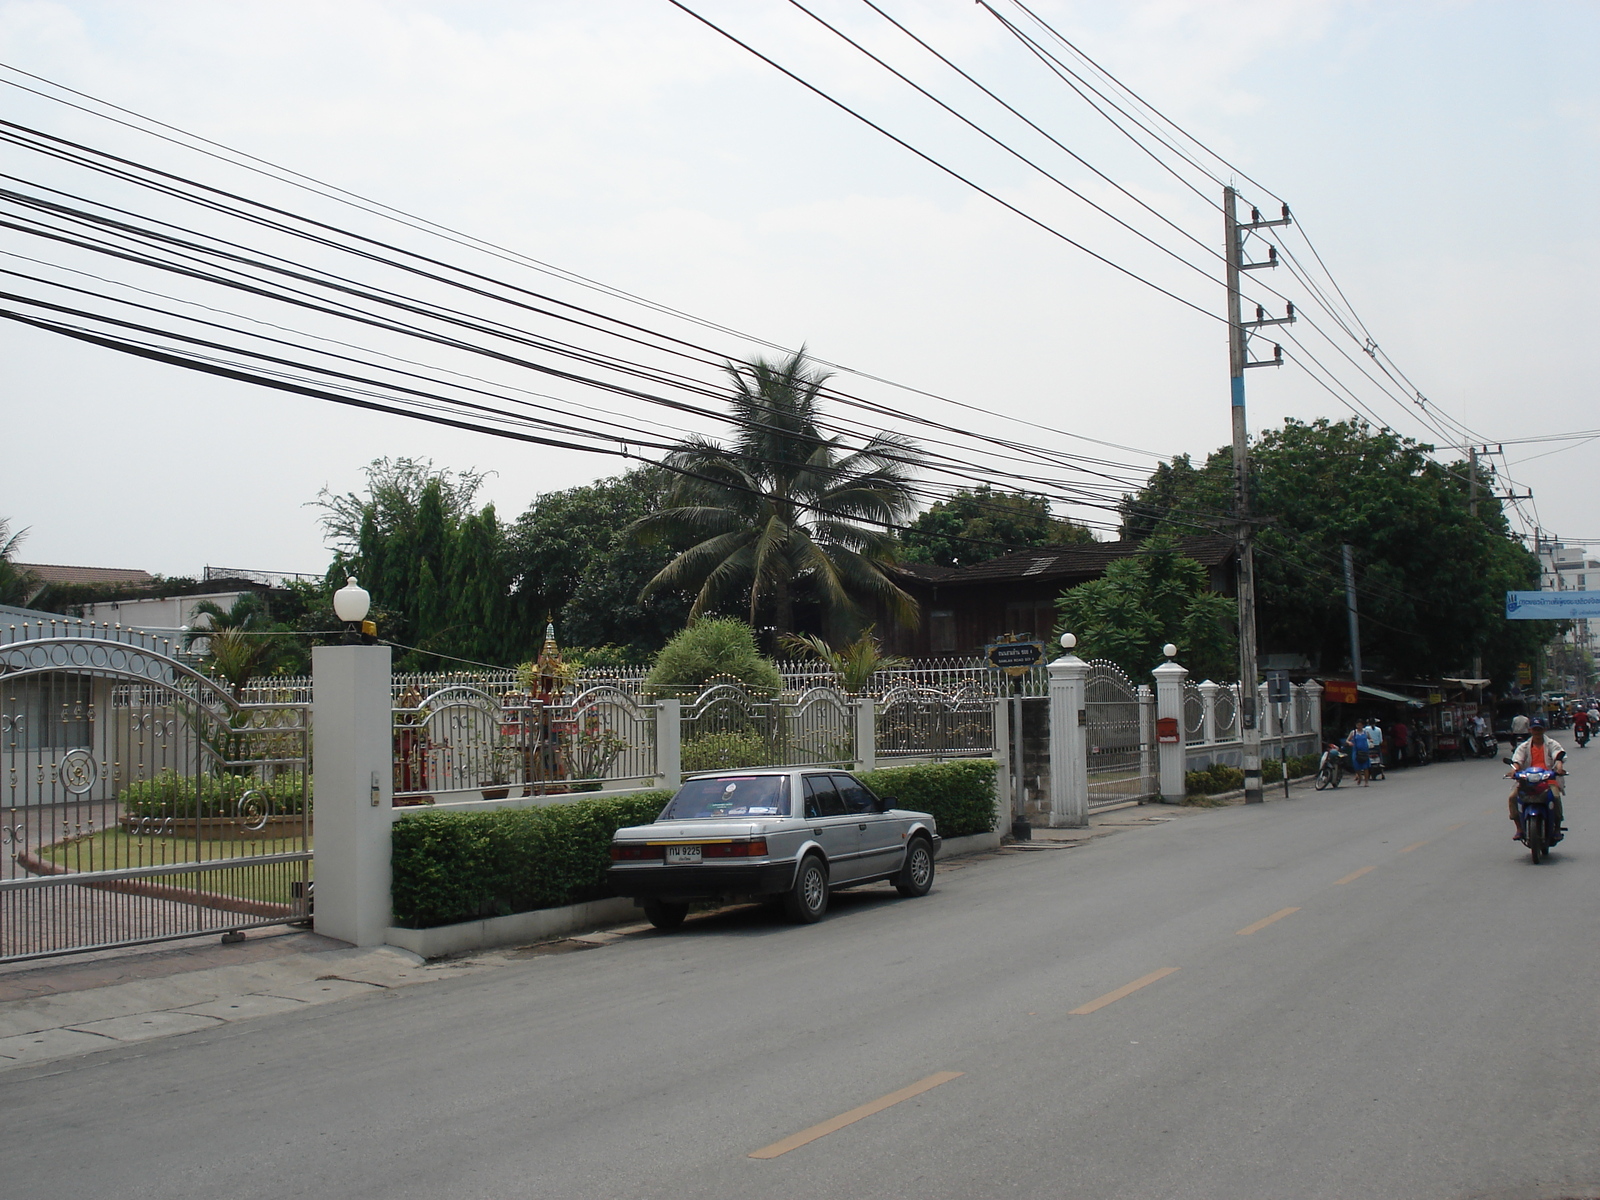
[1350,613]
[1238,363]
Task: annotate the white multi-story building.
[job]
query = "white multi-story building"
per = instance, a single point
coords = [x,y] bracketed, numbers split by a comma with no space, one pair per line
[1564,568]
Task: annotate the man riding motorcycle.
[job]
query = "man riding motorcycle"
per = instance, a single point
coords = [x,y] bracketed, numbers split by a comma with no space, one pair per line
[1538,751]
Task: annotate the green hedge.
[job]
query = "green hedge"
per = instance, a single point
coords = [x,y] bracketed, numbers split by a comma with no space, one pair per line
[1219,778]
[454,866]
[959,793]
[172,795]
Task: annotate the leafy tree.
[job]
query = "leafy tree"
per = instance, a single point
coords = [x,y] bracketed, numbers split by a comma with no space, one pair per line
[437,570]
[975,526]
[711,648]
[1146,600]
[575,561]
[16,586]
[1430,576]
[783,510]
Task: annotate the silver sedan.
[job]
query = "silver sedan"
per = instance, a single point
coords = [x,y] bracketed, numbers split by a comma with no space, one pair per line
[787,834]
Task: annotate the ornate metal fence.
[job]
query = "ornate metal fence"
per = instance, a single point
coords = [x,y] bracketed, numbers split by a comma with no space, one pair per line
[142,802]
[934,723]
[726,726]
[463,739]
[1121,765]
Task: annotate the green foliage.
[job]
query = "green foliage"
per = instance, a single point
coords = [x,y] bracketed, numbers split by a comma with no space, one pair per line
[451,867]
[1146,600]
[438,571]
[172,795]
[975,526]
[1430,576]
[713,647]
[1209,781]
[1213,779]
[726,751]
[783,511]
[855,663]
[960,793]
[575,562]
[16,586]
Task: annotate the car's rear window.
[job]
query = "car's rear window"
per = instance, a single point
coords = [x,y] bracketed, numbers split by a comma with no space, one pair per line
[730,796]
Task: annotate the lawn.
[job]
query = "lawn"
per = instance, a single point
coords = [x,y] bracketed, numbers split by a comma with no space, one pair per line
[113,849]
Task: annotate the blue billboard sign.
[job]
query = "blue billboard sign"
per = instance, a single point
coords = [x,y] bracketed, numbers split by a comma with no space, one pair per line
[1552,606]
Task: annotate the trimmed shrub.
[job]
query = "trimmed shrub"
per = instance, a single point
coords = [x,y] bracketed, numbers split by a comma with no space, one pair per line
[451,867]
[189,796]
[1299,764]
[959,793]
[725,751]
[721,649]
[1213,779]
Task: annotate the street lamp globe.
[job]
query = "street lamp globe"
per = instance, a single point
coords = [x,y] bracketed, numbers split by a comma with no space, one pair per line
[1068,640]
[1170,650]
[351,602]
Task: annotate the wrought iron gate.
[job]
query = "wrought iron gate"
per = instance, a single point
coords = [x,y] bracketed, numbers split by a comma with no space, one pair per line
[141,802]
[1121,756]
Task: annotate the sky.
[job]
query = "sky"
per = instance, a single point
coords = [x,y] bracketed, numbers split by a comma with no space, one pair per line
[1441,157]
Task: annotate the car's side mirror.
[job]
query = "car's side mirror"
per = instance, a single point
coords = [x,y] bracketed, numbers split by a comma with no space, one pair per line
[885,803]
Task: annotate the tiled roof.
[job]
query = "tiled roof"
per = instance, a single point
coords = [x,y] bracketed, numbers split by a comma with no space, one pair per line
[1060,562]
[54,573]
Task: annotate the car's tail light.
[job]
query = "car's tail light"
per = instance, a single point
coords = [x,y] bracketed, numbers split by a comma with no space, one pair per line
[625,852]
[754,848]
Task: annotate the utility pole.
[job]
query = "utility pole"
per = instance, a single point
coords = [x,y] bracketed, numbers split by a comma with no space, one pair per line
[1350,612]
[1238,363]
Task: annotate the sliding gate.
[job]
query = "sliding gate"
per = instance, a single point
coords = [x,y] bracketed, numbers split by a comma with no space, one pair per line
[141,802]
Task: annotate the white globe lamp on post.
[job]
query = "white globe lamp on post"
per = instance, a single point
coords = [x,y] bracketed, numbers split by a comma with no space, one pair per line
[1170,650]
[351,604]
[1068,641]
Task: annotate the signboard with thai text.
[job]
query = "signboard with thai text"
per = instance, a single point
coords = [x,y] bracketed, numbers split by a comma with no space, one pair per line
[1552,606]
[1339,691]
[1014,655]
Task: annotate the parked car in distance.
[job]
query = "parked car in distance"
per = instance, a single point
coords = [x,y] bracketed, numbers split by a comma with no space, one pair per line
[789,835]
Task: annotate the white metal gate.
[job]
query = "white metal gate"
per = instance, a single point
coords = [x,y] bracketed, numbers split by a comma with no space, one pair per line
[141,802]
[1120,738]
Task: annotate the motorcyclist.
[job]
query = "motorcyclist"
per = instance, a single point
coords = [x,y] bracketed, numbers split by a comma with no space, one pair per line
[1538,751]
[1580,726]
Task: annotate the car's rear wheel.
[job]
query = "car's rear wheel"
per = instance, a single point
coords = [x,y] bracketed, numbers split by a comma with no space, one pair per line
[664,914]
[808,898]
[916,876]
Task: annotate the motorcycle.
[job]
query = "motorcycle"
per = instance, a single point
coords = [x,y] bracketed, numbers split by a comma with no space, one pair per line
[1582,736]
[1330,767]
[1536,808]
[1480,746]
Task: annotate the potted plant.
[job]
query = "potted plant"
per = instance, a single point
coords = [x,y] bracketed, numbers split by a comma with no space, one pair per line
[502,763]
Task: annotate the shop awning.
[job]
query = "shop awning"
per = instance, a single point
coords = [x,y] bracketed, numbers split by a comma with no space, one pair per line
[1467,682]
[1383,694]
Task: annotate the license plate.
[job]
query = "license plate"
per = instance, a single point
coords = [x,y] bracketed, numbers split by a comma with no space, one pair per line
[683,854]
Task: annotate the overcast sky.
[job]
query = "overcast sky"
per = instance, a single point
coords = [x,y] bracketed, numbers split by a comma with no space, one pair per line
[1441,156]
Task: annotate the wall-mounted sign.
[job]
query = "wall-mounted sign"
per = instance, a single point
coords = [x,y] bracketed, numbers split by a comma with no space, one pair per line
[1340,691]
[1167,731]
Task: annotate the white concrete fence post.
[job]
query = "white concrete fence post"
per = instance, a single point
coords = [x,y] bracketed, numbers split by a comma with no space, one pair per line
[865,709]
[352,722]
[1171,757]
[669,743]
[1069,742]
[1314,710]
[1208,720]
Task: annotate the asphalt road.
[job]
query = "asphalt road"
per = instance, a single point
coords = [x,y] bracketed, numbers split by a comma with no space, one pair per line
[1424,1028]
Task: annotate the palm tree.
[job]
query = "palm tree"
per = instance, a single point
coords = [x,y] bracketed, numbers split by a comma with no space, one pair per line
[784,508]
[16,586]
